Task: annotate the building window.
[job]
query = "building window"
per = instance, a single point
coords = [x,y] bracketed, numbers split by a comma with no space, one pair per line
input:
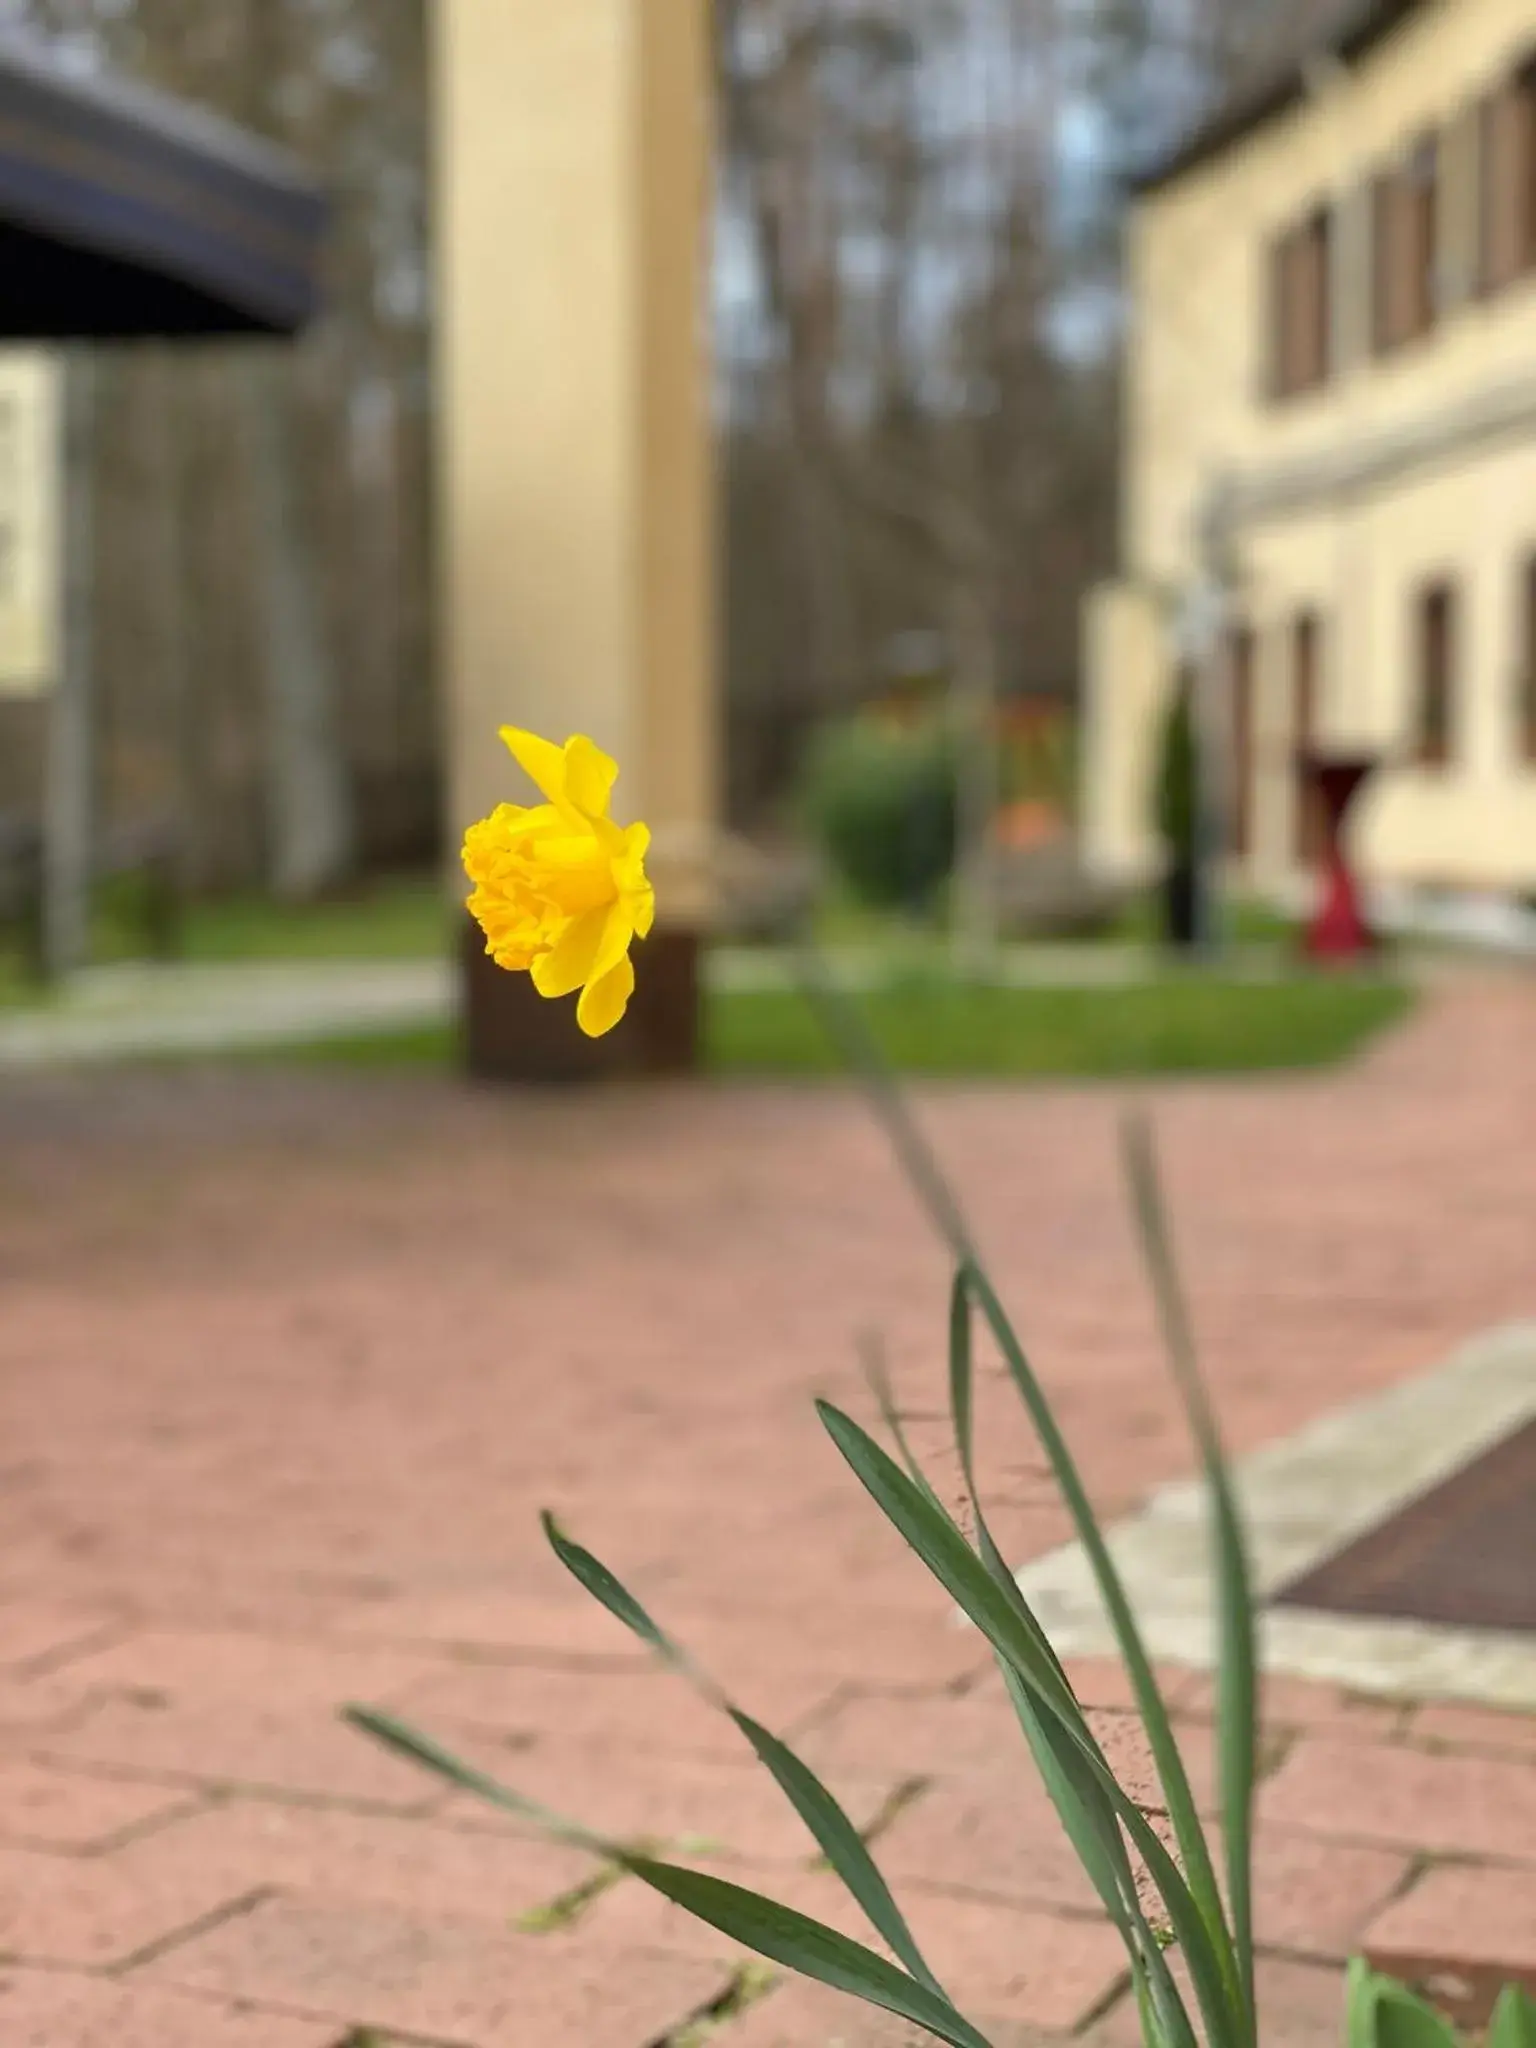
[1302,305]
[1407,211]
[1436,664]
[1527,669]
[1508,232]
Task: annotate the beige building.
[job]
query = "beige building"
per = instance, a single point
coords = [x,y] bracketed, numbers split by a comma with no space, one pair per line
[1331,421]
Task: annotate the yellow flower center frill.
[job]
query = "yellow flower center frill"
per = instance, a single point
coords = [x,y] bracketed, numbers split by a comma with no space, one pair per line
[560,890]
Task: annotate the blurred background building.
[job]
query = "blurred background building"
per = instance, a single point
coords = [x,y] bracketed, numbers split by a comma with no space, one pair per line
[949,425]
[1330,353]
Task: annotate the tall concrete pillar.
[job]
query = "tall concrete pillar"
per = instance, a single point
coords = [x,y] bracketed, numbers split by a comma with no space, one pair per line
[575,479]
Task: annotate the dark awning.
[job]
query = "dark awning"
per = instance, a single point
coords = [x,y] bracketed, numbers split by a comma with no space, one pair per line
[125,214]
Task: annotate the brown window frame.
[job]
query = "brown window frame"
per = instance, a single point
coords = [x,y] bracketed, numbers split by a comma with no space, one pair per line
[1507,240]
[1301,323]
[1406,237]
[1437,640]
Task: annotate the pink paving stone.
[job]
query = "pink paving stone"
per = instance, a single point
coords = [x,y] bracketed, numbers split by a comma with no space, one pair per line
[575,1629]
[32,1706]
[1314,1897]
[47,2009]
[733,1808]
[57,1809]
[916,1735]
[1460,1935]
[218,1664]
[797,2015]
[639,1710]
[453,1979]
[999,1963]
[98,1911]
[1298,1703]
[783,1664]
[992,1832]
[1104,1682]
[1449,1725]
[38,1633]
[1450,1805]
[306,1750]
[417,1865]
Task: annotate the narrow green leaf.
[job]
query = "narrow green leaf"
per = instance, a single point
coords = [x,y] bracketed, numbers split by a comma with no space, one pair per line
[1388,2015]
[835,1835]
[1237,1689]
[1359,2003]
[1514,2020]
[774,1931]
[1085,1813]
[842,1846]
[848,1032]
[807,1947]
[1172,1773]
[952,1561]
[873,1359]
[611,1593]
[421,1749]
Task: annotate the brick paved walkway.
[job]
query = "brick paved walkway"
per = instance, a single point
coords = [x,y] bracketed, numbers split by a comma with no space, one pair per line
[287,1366]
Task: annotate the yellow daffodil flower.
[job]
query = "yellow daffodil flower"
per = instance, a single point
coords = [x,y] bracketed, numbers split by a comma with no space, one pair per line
[560,889]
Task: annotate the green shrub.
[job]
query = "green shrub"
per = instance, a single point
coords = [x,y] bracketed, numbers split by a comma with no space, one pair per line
[880,800]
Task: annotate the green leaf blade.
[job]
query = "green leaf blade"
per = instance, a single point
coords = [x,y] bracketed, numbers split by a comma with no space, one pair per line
[1237,1704]
[777,1932]
[1514,2019]
[834,1833]
[791,1939]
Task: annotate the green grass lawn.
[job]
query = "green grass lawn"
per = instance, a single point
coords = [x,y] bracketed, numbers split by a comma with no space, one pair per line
[398,918]
[394,918]
[840,922]
[1184,1025]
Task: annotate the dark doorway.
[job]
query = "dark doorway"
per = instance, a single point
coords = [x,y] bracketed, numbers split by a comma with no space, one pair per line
[1306,664]
[1240,671]
[1437,674]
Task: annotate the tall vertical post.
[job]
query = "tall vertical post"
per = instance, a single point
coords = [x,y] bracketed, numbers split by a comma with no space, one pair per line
[575,487]
[69,806]
[1213,711]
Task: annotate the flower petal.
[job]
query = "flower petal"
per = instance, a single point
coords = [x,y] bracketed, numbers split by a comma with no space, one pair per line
[617,933]
[541,761]
[589,776]
[603,1002]
[572,961]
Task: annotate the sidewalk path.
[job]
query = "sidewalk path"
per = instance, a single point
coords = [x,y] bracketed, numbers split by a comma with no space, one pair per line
[290,1361]
[121,1013]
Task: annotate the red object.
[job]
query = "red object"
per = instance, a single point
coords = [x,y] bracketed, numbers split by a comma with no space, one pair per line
[1339,930]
